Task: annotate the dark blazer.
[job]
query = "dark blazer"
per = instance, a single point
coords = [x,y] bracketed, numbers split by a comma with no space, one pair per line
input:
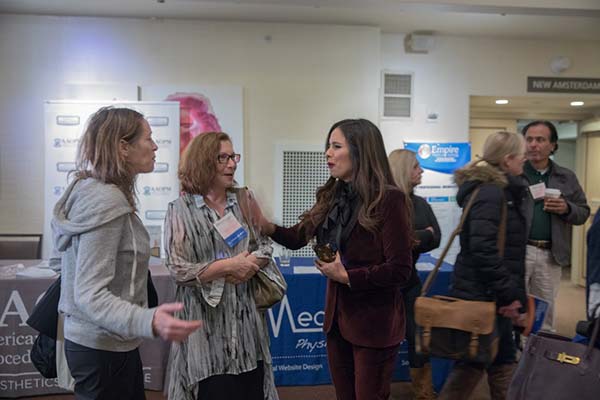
[370,312]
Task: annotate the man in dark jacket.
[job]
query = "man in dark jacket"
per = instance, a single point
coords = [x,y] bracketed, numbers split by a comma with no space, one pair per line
[549,220]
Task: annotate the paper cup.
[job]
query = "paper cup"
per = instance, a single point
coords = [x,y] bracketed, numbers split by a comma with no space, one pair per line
[552,193]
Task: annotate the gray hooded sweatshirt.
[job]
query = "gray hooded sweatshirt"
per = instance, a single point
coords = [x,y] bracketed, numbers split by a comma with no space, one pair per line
[104,251]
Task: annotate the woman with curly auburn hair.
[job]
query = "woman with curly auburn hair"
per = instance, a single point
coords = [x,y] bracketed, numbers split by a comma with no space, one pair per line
[230,358]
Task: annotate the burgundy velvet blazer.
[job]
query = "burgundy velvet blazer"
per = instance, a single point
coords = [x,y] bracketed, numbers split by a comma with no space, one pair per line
[370,312]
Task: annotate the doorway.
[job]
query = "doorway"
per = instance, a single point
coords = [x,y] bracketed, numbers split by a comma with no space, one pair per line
[487,117]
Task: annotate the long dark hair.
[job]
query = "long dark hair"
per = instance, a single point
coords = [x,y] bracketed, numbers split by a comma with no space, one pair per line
[371,175]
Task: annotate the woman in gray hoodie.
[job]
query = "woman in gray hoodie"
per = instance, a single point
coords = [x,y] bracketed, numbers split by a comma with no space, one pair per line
[104,251]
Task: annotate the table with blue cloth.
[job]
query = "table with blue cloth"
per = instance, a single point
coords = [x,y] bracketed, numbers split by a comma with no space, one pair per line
[298,344]
[296,326]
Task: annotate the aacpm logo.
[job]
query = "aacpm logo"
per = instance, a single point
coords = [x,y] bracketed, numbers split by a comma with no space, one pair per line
[163,142]
[58,190]
[305,322]
[65,142]
[157,190]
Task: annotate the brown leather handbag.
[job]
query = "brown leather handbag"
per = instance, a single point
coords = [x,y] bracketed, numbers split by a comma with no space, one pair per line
[453,328]
[554,367]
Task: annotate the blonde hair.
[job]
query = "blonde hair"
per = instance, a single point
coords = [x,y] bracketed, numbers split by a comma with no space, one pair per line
[198,164]
[501,144]
[402,162]
[98,153]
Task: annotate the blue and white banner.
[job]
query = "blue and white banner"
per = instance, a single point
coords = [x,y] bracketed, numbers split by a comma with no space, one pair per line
[441,157]
[439,161]
[298,343]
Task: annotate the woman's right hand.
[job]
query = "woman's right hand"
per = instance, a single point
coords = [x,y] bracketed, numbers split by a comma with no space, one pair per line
[243,267]
[520,320]
[170,328]
[261,262]
[511,310]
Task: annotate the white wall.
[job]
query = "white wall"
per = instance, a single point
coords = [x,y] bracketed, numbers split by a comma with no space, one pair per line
[459,67]
[295,85]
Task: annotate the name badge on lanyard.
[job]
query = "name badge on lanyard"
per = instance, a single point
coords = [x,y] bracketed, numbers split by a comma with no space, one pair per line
[538,191]
[230,229]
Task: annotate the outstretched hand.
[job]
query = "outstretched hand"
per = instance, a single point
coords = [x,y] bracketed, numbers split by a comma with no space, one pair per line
[266,227]
[170,328]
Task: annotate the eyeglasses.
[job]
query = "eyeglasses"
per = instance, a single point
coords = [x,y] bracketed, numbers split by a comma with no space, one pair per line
[224,157]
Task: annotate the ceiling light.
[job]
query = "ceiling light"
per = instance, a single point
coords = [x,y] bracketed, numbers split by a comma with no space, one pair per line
[577,103]
[501,101]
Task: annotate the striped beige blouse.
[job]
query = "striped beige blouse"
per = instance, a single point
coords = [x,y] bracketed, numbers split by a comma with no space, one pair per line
[234,334]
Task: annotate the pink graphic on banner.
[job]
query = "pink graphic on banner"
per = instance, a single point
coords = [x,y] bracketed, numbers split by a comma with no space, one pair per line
[196,116]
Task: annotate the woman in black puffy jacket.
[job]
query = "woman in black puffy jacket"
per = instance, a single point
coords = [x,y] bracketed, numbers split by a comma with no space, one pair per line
[480,272]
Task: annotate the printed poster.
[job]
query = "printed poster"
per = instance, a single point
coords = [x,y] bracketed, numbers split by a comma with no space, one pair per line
[65,122]
[205,108]
[439,161]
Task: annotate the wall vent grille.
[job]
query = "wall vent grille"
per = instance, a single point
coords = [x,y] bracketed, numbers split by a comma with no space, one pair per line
[303,173]
[397,95]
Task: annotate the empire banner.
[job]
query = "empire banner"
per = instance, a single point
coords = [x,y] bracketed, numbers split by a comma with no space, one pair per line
[439,161]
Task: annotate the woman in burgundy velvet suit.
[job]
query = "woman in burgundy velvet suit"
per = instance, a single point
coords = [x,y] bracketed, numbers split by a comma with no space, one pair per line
[364,218]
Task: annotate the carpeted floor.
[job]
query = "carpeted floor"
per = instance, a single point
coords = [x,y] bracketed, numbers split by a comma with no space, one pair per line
[570,309]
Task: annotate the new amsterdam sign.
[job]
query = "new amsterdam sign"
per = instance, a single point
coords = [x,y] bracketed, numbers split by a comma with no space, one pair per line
[562,85]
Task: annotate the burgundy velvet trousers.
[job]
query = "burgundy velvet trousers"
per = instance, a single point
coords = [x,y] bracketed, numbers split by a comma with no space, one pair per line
[360,373]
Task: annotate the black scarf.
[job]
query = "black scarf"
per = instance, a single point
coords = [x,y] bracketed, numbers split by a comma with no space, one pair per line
[339,222]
